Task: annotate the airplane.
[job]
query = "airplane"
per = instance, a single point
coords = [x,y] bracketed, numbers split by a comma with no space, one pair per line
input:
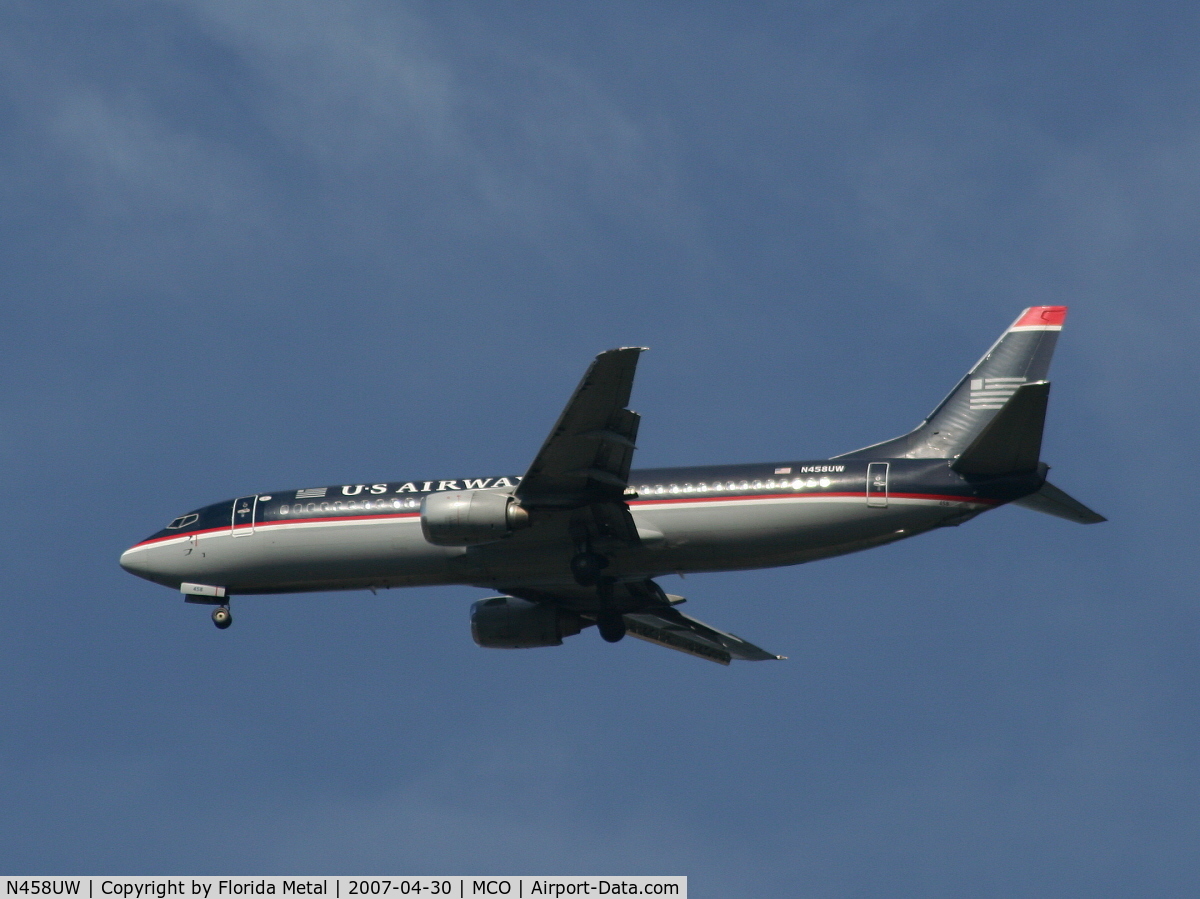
[579,538]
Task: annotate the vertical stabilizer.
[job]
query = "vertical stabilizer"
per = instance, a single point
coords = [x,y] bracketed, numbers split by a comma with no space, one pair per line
[1011,443]
[1021,356]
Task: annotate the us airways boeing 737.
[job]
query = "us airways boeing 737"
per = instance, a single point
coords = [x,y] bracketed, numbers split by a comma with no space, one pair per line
[579,538]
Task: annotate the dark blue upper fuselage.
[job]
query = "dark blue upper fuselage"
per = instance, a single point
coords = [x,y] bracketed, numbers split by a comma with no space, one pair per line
[926,478]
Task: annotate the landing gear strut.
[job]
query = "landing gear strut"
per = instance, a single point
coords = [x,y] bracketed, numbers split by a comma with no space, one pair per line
[586,567]
[221,617]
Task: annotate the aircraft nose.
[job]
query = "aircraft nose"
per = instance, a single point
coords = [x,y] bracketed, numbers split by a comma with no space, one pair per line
[138,560]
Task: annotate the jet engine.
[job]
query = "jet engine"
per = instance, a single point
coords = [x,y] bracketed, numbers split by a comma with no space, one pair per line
[505,622]
[470,517]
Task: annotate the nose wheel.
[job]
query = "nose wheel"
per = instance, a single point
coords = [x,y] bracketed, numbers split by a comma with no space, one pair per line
[221,617]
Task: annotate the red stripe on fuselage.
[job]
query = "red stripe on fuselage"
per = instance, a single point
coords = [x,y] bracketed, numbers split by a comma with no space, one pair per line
[673,500]
[955,499]
[858,494]
[266,524]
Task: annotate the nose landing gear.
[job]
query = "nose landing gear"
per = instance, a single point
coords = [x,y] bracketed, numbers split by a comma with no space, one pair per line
[221,617]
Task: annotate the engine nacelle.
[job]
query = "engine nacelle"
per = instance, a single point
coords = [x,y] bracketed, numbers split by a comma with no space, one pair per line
[470,517]
[505,622]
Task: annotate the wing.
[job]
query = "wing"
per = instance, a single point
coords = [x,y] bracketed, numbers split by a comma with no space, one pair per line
[650,615]
[583,469]
[586,458]
[671,628]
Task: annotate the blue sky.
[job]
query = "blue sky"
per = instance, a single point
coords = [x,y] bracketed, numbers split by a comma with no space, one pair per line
[246,247]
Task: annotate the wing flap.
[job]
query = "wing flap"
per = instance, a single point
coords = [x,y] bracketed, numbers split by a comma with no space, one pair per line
[671,628]
[587,456]
[652,617]
[613,520]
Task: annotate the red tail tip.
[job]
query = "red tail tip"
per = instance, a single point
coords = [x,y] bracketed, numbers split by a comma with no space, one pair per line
[1042,316]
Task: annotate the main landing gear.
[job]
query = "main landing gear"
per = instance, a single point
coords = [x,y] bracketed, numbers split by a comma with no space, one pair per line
[609,622]
[587,567]
[221,617]
[611,627]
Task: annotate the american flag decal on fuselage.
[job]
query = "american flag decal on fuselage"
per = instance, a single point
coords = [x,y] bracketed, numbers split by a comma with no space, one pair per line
[992,393]
[311,493]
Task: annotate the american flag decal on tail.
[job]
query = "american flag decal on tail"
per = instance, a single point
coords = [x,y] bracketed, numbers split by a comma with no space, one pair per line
[992,393]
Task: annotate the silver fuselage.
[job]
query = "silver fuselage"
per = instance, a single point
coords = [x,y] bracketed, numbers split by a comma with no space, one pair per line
[688,520]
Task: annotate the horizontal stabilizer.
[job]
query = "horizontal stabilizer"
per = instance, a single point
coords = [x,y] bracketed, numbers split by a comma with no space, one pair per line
[1055,502]
[669,627]
[1011,443]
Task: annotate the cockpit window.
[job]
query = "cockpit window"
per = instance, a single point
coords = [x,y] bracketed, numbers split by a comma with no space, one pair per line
[183,521]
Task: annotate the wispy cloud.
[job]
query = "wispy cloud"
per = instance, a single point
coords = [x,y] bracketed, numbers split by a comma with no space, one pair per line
[478,131]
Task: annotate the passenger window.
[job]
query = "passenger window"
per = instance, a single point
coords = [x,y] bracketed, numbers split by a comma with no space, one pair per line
[283,510]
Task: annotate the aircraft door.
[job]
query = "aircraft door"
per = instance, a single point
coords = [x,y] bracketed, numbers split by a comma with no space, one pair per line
[877,484]
[244,509]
